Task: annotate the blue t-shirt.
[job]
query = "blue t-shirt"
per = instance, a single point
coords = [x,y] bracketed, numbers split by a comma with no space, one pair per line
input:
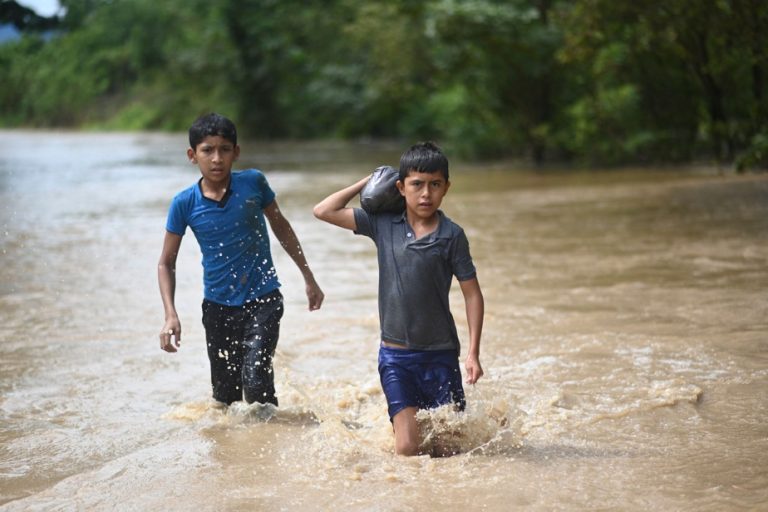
[415,278]
[233,237]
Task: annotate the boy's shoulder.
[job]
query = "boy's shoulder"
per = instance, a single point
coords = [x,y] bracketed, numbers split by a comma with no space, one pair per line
[187,193]
[448,228]
[253,177]
[246,173]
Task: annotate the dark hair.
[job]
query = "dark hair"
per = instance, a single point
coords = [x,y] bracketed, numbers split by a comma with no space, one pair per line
[423,157]
[211,124]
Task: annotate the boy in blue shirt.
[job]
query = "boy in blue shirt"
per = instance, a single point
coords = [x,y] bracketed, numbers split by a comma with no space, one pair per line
[242,303]
[419,253]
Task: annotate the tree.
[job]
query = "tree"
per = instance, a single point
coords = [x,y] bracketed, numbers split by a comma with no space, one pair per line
[689,62]
[25,19]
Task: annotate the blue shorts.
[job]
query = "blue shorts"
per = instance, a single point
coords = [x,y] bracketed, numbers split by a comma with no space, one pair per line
[418,378]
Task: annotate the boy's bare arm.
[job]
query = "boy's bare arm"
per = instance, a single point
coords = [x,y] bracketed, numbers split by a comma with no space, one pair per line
[475,307]
[333,209]
[290,242]
[166,278]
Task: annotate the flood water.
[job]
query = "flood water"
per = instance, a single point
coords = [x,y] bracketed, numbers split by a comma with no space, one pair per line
[625,343]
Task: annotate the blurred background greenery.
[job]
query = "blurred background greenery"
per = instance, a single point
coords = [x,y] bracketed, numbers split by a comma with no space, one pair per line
[598,82]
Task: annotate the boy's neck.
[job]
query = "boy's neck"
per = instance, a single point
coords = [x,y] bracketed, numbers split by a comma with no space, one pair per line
[215,190]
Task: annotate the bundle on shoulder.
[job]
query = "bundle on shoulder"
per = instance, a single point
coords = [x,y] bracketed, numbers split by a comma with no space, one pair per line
[380,194]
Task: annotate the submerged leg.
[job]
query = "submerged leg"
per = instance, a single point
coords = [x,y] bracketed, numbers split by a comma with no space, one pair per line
[407,439]
[261,335]
[222,333]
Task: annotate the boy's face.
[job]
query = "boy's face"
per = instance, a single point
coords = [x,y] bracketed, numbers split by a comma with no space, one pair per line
[214,156]
[423,192]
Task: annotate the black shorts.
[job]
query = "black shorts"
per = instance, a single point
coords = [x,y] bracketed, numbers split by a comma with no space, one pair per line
[241,344]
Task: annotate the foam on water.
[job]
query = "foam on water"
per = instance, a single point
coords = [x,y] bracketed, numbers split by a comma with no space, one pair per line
[346,423]
[349,422]
[487,428]
[241,413]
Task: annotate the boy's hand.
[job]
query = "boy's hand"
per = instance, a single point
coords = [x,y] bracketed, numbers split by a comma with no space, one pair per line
[314,294]
[171,330]
[473,368]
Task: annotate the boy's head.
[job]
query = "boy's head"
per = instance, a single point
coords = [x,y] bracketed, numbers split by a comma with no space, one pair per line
[423,157]
[423,180]
[212,124]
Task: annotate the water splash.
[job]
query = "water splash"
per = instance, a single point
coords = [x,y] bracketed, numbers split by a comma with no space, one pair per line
[488,428]
[241,413]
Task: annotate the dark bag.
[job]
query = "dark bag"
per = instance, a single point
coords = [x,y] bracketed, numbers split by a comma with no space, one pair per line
[380,195]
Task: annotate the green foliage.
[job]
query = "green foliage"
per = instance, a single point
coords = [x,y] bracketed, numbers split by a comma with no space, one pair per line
[602,122]
[503,55]
[696,66]
[596,81]
[24,18]
[756,155]
[468,126]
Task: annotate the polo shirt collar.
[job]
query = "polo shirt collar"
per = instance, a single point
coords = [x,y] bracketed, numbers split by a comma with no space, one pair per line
[442,231]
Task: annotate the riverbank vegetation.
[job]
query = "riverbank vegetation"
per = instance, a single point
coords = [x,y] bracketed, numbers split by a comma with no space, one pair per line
[588,81]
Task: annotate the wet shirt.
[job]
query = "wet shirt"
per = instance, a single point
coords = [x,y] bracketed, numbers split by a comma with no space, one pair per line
[415,278]
[233,238]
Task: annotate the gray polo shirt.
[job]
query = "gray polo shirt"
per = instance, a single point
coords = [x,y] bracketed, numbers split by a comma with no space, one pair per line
[415,278]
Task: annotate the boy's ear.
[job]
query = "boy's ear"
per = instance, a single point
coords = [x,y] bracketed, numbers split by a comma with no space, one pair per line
[400,187]
[237,151]
[191,155]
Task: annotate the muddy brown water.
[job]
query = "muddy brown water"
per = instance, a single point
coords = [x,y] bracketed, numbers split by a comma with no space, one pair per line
[625,342]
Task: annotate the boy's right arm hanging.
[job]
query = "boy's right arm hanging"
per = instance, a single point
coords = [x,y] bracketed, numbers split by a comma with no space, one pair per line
[166,278]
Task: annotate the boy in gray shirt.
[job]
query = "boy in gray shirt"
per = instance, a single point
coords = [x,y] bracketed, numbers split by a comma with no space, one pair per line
[419,252]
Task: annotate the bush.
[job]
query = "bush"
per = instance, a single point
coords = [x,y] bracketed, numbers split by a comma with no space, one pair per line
[756,155]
